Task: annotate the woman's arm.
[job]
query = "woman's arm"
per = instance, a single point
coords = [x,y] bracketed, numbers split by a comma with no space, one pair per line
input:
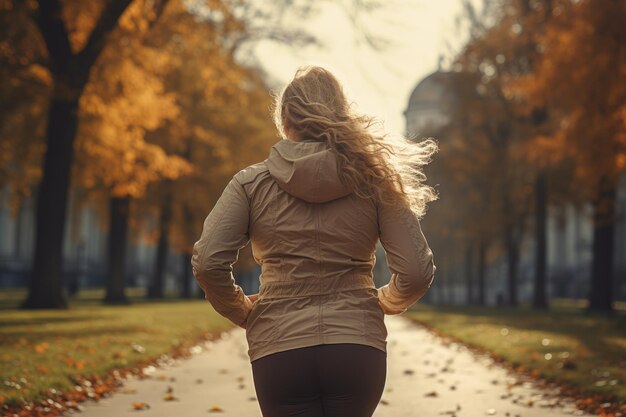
[225,232]
[409,258]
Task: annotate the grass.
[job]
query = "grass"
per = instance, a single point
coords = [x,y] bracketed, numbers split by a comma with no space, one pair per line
[563,344]
[41,350]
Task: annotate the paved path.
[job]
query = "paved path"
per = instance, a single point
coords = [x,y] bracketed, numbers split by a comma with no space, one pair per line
[425,377]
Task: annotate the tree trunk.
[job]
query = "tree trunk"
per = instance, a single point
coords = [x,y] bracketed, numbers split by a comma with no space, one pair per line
[512,260]
[601,294]
[70,73]
[185,288]
[540,297]
[46,287]
[119,208]
[156,288]
[482,253]
[512,249]
[469,274]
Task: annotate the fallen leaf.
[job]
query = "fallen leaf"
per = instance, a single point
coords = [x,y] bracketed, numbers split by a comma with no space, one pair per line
[140,406]
[41,347]
[169,397]
[432,394]
[216,409]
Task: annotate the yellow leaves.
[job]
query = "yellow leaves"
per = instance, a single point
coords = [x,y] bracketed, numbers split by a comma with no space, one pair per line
[120,109]
[129,164]
[40,74]
[128,94]
[136,19]
[80,18]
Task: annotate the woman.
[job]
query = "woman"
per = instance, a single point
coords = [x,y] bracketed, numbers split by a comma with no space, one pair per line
[314,211]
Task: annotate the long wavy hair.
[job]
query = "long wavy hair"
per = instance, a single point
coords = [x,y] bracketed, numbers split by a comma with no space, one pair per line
[373,164]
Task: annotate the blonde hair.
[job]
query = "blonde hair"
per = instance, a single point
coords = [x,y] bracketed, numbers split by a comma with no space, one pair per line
[379,166]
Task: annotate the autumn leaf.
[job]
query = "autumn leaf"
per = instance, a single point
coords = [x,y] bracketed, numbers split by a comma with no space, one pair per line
[169,397]
[140,406]
[216,409]
[42,369]
[41,347]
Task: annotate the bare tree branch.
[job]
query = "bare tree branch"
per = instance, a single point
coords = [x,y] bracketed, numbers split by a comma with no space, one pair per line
[97,39]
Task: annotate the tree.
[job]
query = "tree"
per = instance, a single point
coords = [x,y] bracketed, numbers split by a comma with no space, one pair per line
[504,48]
[71,55]
[124,103]
[580,73]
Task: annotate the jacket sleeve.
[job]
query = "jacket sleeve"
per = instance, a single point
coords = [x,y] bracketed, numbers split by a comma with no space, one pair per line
[224,233]
[409,258]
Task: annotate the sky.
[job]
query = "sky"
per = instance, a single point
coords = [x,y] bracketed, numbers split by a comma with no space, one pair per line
[378,82]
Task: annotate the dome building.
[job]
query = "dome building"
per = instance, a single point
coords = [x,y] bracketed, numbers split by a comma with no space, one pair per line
[428,108]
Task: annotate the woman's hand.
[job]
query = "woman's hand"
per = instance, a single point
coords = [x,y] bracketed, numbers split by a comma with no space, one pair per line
[387,310]
[254,298]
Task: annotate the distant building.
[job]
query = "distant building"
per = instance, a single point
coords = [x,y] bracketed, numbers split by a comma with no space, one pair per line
[427,110]
[569,231]
[84,250]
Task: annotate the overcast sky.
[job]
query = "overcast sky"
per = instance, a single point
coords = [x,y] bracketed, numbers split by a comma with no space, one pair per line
[379,82]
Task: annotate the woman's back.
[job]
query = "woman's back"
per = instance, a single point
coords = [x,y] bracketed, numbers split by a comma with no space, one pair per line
[315,242]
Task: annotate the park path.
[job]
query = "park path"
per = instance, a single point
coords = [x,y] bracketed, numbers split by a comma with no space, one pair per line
[426,376]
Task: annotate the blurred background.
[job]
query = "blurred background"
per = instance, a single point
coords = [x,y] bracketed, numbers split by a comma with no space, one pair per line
[121,122]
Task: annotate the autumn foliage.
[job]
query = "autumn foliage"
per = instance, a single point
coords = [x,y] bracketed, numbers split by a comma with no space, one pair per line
[538,121]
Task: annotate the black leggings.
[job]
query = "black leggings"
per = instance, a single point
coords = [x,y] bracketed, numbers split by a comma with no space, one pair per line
[331,380]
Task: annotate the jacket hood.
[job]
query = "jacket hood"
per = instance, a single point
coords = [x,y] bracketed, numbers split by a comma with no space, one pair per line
[306,169]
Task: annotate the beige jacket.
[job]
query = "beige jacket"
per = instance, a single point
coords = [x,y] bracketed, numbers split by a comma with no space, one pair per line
[315,242]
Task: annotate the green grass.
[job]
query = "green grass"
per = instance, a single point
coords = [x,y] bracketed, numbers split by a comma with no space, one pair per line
[40,350]
[592,347]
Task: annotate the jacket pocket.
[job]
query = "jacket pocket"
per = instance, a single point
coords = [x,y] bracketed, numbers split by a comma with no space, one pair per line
[260,326]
